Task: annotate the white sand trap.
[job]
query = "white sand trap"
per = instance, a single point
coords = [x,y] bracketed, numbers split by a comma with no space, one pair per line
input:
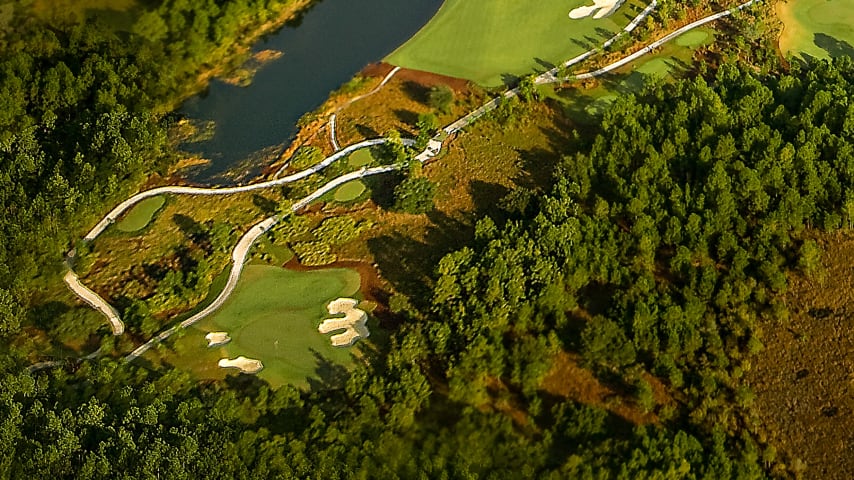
[353,322]
[599,9]
[245,365]
[216,339]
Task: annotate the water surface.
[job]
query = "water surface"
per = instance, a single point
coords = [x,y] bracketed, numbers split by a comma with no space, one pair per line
[333,42]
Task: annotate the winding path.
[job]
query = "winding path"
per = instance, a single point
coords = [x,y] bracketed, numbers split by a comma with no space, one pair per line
[241,250]
[332,136]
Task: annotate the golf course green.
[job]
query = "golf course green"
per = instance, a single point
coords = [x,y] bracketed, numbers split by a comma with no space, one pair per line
[484,40]
[817,28]
[141,214]
[273,316]
[349,191]
[361,158]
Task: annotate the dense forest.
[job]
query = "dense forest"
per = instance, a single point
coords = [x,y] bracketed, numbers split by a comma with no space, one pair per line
[81,120]
[666,237]
[660,245]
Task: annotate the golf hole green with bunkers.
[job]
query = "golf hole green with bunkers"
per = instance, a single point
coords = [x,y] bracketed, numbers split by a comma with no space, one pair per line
[817,28]
[484,40]
[273,316]
[141,214]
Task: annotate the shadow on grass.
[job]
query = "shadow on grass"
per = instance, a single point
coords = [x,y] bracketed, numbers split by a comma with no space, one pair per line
[409,263]
[406,116]
[416,92]
[834,47]
[367,131]
[267,206]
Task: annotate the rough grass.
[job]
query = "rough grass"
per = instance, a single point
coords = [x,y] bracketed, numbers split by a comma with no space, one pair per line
[817,28]
[273,316]
[141,214]
[803,378]
[122,264]
[485,40]
[349,191]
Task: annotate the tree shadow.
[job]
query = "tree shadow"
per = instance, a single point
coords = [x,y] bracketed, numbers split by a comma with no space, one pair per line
[544,63]
[409,264]
[486,196]
[366,131]
[510,80]
[382,188]
[406,116]
[266,205]
[328,374]
[192,230]
[45,315]
[604,33]
[834,47]
[582,44]
[416,92]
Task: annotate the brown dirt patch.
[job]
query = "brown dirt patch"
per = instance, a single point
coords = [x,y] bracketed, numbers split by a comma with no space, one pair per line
[428,79]
[804,379]
[569,379]
[378,69]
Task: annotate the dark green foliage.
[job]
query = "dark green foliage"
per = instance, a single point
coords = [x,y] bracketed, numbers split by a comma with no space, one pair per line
[440,97]
[414,195]
[657,249]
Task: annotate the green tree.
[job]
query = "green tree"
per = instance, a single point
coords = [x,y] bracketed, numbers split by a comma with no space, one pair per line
[440,97]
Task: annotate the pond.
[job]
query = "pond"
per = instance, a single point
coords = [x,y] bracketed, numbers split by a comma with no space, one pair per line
[332,42]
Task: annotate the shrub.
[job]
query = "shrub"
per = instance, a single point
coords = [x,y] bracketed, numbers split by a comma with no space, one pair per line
[440,97]
[414,195]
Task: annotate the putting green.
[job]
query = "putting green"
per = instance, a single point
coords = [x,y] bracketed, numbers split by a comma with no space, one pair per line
[694,38]
[360,158]
[273,316]
[141,214]
[349,191]
[483,40]
[817,28]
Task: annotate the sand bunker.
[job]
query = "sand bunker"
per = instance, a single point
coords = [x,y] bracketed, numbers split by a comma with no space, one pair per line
[245,365]
[599,9]
[353,322]
[216,339]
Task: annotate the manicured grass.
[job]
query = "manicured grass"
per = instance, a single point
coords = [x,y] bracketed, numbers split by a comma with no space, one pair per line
[141,214]
[360,158]
[349,191]
[817,28]
[694,38]
[484,40]
[273,316]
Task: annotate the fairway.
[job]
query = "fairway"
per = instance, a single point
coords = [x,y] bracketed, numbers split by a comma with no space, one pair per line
[141,214]
[817,28]
[273,316]
[484,40]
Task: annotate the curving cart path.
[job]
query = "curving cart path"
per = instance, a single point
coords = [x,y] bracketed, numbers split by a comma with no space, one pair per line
[241,250]
[332,118]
